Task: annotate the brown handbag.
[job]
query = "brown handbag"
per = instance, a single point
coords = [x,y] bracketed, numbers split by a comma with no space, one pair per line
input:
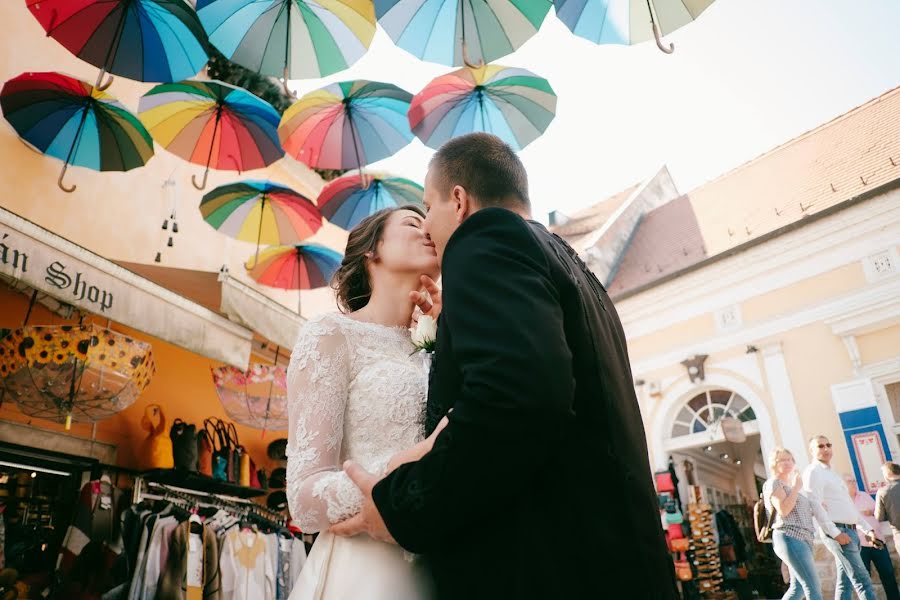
[204,453]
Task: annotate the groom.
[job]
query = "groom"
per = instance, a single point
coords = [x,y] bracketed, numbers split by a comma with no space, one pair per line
[540,485]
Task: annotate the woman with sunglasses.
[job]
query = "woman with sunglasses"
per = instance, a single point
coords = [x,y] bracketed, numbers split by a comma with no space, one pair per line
[794,527]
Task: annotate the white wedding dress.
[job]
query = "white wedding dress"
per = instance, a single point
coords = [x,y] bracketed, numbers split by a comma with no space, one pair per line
[355,391]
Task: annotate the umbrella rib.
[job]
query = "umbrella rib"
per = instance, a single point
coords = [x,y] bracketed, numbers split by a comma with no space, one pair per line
[77,135]
[114,47]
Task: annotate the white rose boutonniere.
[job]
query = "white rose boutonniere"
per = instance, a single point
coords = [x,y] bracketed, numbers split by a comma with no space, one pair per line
[424,334]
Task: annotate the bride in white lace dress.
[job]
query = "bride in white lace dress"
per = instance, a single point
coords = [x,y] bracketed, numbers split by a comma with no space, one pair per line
[357,392]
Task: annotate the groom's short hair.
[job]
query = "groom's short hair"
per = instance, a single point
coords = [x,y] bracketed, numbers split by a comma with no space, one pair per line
[486,167]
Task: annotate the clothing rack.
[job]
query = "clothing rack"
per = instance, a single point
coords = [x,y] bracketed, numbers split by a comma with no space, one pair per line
[144,490]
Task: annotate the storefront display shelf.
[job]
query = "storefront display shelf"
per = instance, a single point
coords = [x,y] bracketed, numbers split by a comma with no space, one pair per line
[200,483]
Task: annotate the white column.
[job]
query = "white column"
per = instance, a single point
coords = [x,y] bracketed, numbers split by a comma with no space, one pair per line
[784,403]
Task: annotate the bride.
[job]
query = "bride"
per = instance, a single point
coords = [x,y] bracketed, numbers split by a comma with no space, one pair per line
[357,392]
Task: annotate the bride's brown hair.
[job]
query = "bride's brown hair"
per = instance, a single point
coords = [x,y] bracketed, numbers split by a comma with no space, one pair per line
[351,280]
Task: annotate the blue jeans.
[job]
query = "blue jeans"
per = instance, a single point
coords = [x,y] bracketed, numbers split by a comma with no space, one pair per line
[798,556]
[850,568]
[885,568]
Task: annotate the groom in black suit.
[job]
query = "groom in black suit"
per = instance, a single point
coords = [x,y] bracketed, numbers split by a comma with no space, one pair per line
[540,484]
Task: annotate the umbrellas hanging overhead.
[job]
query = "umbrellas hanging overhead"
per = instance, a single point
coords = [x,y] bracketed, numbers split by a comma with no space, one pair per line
[261,211]
[513,104]
[83,374]
[291,39]
[628,22]
[145,40]
[75,122]
[349,199]
[461,32]
[213,124]
[300,267]
[347,125]
[256,397]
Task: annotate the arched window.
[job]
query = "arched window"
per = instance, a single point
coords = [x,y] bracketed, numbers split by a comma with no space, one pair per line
[703,412]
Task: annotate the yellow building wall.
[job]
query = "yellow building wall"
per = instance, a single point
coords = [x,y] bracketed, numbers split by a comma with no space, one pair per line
[879,345]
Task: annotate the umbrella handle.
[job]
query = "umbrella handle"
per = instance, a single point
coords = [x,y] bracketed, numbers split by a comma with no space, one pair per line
[470,64]
[60,183]
[284,84]
[659,43]
[101,86]
[203,183]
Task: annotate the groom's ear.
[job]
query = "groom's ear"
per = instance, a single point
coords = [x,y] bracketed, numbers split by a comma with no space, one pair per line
[462,203]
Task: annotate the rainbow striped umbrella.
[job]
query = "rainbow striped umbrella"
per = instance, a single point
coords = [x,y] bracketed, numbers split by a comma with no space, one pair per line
[300,267]
[145,40]
[628,22]
[292,39]
[513,104]
[213,124]
[266,212]
[349,199]
[461,32]
[347,125]
[75,122]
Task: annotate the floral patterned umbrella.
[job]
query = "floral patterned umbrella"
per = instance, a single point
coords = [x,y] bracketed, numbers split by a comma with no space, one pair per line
[74,373]
[256,397]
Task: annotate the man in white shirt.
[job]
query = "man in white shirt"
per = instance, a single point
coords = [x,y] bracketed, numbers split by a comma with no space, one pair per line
[828,487]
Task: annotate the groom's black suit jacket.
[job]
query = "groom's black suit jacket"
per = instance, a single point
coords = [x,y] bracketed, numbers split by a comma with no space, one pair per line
[540,486]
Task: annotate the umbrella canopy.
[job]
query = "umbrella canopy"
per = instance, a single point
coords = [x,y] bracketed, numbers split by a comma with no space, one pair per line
[213,124]
[513,104]
[256,397]
[145,40]
[71,120]
[347,125]
[461,32]
[628,22]
[349,199]
[300,267]
[65,373]
[293,39]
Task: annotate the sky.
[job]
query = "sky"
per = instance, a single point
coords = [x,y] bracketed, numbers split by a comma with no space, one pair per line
[745,77]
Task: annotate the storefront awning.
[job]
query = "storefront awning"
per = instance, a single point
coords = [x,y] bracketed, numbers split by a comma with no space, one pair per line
[76,276]
[245,305]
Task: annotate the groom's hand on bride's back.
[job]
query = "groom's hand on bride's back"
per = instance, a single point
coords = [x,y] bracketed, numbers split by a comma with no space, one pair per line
[368,520]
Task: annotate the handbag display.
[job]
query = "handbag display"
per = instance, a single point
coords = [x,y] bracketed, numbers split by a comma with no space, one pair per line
[184,445]
[156,451]
[204,453]
[218,434]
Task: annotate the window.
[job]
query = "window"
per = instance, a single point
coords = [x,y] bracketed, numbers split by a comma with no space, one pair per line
[703,412]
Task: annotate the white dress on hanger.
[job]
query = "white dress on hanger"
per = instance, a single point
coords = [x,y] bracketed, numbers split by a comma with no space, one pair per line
[356,392]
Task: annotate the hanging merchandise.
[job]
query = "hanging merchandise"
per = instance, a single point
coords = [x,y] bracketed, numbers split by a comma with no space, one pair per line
[184,445]
[156,452]
[74,373]
[256,397]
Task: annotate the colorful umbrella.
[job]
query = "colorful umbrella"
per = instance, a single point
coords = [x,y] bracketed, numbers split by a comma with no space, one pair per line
[300,267]
[628,22]
[256,397]
[65,373]
[213,124]
[458,32]
[347,125]
[292,39]
[349,199]
[513,104]
[263,211]
[146,40]
[70,120]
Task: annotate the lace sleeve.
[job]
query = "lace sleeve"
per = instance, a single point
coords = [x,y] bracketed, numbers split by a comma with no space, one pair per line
[319,492]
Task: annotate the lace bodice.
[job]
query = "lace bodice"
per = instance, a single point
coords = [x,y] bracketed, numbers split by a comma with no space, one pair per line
[355,392]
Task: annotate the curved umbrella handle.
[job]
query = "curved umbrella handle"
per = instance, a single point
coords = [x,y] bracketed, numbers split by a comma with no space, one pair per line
[102,86]
[60,183]
[469,63]
[203,183]
[659,42]
[284,84]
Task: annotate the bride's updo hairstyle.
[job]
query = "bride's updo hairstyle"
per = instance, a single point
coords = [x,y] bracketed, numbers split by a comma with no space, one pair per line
[351,280]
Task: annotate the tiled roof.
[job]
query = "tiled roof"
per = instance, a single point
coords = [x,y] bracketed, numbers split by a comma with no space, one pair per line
[666,240]
[837,161]
[588,220]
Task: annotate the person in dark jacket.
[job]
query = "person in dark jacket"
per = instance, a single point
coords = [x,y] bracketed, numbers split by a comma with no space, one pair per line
[539,486]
